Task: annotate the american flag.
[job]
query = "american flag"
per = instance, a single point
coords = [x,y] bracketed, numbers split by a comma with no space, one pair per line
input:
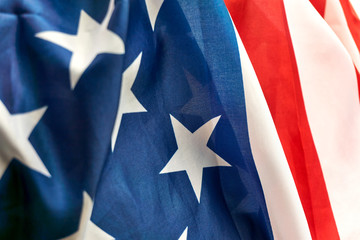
[165,119]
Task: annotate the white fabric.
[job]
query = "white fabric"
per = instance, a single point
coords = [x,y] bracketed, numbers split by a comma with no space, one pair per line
[356,6]
[330,91]
[87,229]
[153,8]
[286,214]
[334,16]
[15,130]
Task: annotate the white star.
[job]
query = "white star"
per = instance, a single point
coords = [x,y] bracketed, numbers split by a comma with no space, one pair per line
[184,234]
[193,155]
[91,39]
[87,229]
[153,8]
[14,133]
[128,103]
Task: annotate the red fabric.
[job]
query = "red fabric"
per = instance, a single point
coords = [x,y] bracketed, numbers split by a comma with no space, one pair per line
[319,5]
[358,79]
[352,21]
[262,26]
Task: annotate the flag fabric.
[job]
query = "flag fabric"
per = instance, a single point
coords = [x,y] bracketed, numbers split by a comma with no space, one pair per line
[134,128]
[310,84]
[164,119]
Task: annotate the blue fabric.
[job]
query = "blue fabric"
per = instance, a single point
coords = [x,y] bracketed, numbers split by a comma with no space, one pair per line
[190,69]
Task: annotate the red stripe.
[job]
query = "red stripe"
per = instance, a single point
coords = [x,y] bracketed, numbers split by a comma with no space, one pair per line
[352,21]
[319,5]
[262,25]
[358,79]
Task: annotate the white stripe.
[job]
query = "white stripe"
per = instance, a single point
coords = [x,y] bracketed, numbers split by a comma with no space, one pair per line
[286,214]
[335,17]
[329,86]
